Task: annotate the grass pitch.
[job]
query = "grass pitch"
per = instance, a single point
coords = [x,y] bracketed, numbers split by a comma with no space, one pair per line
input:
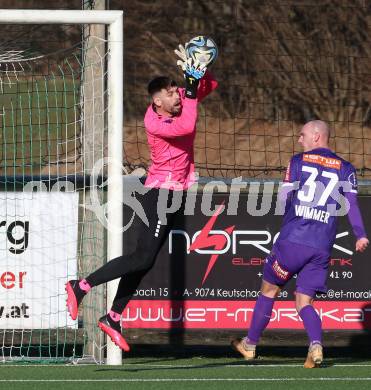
[198,371]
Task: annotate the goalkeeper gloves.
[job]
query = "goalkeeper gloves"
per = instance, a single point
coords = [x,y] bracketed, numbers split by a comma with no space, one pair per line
[194,71]
[181,53]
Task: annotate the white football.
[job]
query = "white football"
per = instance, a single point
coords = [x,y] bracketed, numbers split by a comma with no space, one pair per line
[203,49]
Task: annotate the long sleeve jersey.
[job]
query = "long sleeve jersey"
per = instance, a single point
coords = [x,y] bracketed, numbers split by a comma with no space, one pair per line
[321,177]
[171,141]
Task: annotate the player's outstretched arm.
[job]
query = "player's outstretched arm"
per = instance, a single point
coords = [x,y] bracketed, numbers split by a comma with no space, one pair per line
[207,85]
[362,244]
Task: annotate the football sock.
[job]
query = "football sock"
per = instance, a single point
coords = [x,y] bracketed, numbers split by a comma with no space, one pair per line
[114,316]
[312,324]
[84,286]
[260,319]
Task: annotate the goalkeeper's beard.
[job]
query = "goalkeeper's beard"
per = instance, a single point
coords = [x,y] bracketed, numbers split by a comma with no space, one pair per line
[176,109]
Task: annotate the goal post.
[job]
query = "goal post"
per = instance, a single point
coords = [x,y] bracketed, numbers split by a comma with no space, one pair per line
[27,110]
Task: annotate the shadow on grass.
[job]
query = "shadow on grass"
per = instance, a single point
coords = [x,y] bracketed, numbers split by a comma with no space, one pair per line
[160,355]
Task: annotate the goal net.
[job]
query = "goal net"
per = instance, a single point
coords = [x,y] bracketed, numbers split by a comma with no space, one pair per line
[54,131]
[276,70]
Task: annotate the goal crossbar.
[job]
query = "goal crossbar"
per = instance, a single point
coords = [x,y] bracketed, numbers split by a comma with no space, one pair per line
[60,16]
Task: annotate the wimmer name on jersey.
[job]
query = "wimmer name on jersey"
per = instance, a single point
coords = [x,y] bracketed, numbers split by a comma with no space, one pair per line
[315,182]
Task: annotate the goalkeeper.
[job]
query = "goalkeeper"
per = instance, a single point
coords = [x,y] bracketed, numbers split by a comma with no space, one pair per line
[170,123]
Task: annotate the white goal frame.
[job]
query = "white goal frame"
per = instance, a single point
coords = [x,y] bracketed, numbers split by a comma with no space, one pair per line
[114,21]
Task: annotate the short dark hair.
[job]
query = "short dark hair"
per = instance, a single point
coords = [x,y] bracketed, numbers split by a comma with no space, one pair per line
[158,83]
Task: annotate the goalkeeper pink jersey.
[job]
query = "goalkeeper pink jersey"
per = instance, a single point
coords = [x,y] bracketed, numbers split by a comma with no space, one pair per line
[171,140]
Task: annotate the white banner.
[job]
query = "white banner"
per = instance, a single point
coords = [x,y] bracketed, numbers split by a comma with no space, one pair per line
[38,254]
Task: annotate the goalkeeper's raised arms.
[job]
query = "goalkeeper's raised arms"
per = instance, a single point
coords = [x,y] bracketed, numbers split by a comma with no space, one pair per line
[193,71]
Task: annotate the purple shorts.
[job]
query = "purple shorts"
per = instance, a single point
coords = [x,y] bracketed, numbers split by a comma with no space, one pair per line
[287,259]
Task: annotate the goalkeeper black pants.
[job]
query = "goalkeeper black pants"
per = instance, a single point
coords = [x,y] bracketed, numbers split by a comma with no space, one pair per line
[133,267]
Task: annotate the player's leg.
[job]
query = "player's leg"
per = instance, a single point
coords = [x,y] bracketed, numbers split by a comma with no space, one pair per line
[262,311]
[311,320]
[150,240]
[275,275]
[270,288]
[261,316]
[278,269]
[147,249]
[312,279]
[111,322]
[76,290]
[313,327]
